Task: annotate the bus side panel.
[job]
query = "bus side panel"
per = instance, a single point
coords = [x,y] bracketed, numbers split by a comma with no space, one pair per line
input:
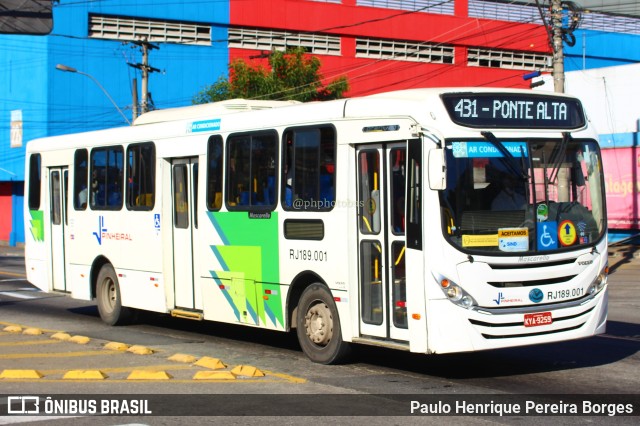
[241,280]
[35,249]
[130,241]
[78,277]
[416,301]
[142,290]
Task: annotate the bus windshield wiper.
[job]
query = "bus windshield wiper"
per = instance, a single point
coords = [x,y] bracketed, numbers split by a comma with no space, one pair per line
[566,137]
[511,162]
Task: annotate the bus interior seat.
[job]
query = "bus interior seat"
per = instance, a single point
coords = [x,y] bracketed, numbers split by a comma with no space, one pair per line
[327,191]
[484,220]
[144,200]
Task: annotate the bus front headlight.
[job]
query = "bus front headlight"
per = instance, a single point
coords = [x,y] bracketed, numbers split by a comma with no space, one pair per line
[456,294]
[600,281]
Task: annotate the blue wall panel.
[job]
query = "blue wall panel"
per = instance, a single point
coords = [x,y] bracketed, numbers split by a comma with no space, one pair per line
[597,49]
[78,103]
[53,102]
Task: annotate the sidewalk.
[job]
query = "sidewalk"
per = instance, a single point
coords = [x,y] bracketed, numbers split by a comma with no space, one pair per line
[6,250]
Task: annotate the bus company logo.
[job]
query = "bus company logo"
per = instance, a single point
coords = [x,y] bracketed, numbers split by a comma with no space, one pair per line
[501,299]
[103,234]
[536,295]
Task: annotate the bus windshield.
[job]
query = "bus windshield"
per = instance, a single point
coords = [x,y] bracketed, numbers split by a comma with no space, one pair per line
[523,196]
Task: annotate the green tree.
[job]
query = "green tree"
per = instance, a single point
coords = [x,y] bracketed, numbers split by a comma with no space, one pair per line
[291,75]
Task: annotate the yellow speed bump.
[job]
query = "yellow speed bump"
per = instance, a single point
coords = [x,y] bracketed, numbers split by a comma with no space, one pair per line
[20,374]
[149,375]
[140,350]
[214,375]
[247,370]
[187,359]
[211,363]
[13,329]
[81,340]
[61,336]
[116,346]
[84,375]
[32,331]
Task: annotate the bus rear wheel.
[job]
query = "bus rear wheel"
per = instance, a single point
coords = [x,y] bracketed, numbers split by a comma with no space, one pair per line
[108,296]
[318,327]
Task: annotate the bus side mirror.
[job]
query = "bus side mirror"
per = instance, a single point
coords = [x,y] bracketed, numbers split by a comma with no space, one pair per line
[437,170]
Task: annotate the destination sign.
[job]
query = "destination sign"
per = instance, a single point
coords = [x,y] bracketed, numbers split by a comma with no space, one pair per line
[510,110]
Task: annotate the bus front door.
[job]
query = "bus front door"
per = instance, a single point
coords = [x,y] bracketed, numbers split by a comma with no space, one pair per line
[381,240]
[184,177]
[58,186]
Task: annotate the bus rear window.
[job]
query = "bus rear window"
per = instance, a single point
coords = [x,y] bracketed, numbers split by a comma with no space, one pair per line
[35,181]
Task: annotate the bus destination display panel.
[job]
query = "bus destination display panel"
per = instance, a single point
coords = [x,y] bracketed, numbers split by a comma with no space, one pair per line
[504,110]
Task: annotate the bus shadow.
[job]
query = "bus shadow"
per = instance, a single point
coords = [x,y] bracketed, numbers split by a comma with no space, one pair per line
[157,323]
[621,341]
[623,255]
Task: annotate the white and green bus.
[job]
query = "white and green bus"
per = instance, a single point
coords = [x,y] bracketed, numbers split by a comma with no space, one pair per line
[427,220]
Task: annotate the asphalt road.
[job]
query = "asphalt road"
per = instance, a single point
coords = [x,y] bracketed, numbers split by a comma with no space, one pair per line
[274,367]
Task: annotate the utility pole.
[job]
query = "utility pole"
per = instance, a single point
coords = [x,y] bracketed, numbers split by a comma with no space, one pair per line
[556,43]
[146,69]
[134,87]
[559,34]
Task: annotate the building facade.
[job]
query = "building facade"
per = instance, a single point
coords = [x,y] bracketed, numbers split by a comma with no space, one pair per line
[379,45]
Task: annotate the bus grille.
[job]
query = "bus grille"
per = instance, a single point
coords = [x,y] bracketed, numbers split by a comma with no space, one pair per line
[520,326]
[532,283]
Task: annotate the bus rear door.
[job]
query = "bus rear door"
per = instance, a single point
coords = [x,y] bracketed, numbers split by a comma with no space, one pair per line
[58,186]
[184,179]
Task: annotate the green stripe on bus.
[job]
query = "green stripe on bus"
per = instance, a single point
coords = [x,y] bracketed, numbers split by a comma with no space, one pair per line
[37,224]
[250,255]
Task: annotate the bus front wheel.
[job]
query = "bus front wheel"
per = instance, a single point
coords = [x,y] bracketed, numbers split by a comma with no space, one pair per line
[109,301]
[318,327]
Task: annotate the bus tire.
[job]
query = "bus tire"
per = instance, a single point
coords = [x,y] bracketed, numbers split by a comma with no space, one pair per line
[318,327]
[108,296]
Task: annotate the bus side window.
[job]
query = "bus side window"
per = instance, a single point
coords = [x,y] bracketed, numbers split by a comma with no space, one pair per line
[414,195]
[308,168]
[80,178]
[214,173]
[251,172]
[106,178]
[141,176]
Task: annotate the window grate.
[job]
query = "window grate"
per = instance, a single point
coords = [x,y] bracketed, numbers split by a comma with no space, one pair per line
[404,51]
[121,28]
[512,11]
[443,7]
[250,38]
[477,57]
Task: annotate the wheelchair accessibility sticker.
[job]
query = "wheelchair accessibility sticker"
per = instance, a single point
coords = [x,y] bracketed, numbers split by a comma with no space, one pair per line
[547,235]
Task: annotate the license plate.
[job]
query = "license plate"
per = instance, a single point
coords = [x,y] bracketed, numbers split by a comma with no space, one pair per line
[541,318]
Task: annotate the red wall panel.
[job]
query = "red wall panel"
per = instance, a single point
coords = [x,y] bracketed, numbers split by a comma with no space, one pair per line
[368,76]
[341,19]
[5,210]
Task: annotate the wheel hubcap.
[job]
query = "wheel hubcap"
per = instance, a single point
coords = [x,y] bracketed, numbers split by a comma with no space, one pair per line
[110,293]
[319,324]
